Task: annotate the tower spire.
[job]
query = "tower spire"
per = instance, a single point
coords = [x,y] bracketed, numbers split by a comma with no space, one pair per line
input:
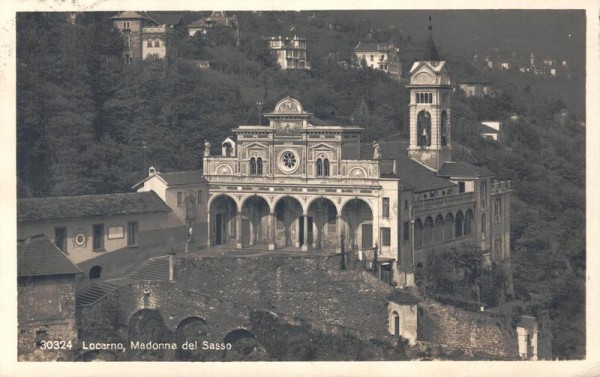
[431,53]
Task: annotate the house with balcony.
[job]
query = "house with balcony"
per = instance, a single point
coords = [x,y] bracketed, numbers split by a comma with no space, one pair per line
[381,56]
[289,52]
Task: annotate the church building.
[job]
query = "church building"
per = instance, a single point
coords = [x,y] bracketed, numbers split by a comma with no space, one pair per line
[303,183]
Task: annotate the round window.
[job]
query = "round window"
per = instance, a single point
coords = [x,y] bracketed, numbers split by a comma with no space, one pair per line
[80,239]
[288,161]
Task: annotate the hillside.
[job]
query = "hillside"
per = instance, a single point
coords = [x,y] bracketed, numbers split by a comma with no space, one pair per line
[87,124]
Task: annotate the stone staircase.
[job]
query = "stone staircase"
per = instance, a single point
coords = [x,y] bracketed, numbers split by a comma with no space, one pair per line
[152,269]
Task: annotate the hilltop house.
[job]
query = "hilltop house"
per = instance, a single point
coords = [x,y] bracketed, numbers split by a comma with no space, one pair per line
[289,52]
[382,56]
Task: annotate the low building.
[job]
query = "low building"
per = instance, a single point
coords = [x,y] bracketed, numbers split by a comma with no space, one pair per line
[403,315]
[89,226]
[490,130]
[217,18]
[46,300]
[289,52]
[534,337]
[381,56]
[475,88]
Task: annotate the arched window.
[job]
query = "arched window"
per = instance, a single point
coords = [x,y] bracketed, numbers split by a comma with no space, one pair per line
[252,166]
[483,226]
[95,272]
[458,224]
[319,167]
[483,194]
[157,43]
[428,231]
[443,128]
[149,43]
[430,98]
[259,166]
[228,149]
[438,229]
[417,97]
[418,233]
[326,167]
[468,222]
[449,227]
[424,129]
[396,318]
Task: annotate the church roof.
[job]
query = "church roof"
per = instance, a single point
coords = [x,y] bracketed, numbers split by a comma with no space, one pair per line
[37,256]
[412,175]
[85,206]
[431,53]
[400,297]
[188,177]
[463,169]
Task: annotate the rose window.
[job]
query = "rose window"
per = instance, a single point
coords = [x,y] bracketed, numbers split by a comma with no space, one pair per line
[289,160]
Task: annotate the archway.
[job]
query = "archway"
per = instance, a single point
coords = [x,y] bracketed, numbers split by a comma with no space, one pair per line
[289,223]
[191,329]
[95,272]
[358,225]
[323,215]
[449,227]
[418,233]
[255,221]
[428,231]
[147,325]
[223,212]
[244,346]
[458,224]
[423,129]
[438,229]
[468,222]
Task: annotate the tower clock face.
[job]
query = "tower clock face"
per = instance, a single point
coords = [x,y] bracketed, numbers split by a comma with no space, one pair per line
[288,161]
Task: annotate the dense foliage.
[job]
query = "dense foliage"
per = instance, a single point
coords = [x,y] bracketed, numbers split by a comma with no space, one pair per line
[88,124]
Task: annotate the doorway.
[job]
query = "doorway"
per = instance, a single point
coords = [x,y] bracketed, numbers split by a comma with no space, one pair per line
[218,229]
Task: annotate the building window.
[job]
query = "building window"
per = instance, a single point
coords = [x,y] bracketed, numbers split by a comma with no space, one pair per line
[372,58]
[99,237]
[259,166]
[406,204]
[95,272]
[386,208]
[406,231]
[418,233]
[157,43]
[386,237]
[326,167]
[461,187]
[179,198]
[319,167]
[126,24]
[443,128]
[132,233]
[498,210]
[149,43]
[253,166]
[60,238]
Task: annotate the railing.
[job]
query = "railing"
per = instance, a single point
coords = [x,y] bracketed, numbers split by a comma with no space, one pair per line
[429,204]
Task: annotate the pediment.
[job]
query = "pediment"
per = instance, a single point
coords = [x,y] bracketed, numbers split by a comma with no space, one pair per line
[255,145]
[322,147]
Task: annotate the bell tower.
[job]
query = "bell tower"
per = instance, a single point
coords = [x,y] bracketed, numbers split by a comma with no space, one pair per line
[429,108]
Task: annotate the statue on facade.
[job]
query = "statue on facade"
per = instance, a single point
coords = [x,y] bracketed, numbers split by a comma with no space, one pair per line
[376,151]
[206,148]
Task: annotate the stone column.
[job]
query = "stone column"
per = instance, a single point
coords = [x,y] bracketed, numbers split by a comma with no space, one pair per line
[238,230]
[305,241]
[209,231]
[339,230]
[271,231]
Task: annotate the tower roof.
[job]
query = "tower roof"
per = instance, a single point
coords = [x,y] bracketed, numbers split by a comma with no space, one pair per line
[431,53]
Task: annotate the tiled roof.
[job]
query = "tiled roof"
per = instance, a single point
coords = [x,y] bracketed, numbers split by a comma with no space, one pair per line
[401,297]
[370,46]
[413,176]
[73,207]
[165,18]
[188,177]
[37,256]
[128,14]
[463,169]
[198,23]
